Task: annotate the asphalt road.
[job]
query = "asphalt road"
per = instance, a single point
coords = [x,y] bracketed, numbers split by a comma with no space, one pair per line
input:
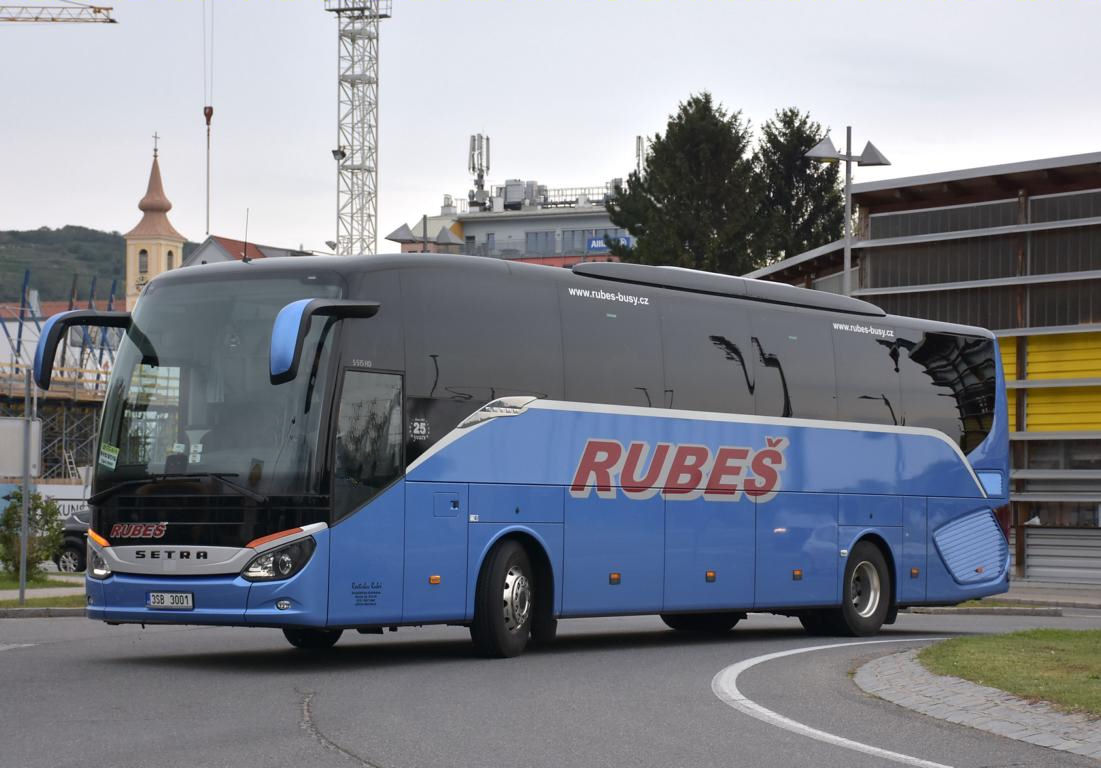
[610,692]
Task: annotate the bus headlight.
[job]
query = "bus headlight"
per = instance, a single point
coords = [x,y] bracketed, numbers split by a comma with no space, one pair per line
[97,566]
[281,563]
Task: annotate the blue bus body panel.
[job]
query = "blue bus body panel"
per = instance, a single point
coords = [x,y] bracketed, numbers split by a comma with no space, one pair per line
[702,536]
[307,591]
[797,531]
[914,549]
[366,572]
[819,459]
[606,536]
[435,546]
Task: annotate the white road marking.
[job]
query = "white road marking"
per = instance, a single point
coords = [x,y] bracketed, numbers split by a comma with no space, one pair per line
[16,645]
[725,686]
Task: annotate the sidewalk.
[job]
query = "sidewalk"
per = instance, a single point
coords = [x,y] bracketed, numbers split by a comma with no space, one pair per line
[76,589]
[902,680]
[1048,593]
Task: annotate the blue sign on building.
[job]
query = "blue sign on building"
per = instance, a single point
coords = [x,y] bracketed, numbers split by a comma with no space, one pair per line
[597,244]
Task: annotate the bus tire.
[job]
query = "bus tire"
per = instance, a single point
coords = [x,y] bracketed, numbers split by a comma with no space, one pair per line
[865,592]
[504,603]
[312,639]
[702,623]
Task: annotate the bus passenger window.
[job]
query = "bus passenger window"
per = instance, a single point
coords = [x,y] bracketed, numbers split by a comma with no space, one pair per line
[793,355]
[867,356]
[367,450]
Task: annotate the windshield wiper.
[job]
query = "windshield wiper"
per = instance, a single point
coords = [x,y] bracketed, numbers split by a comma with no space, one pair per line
[221,477]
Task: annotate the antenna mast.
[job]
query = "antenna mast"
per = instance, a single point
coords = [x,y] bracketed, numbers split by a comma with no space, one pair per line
[478,165]
[356,153]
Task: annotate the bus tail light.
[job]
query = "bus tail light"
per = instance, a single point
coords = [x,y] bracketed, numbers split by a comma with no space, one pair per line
[281,563]
[1004,515]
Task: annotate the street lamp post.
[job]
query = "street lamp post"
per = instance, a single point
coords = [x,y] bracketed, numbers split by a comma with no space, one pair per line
[826,152]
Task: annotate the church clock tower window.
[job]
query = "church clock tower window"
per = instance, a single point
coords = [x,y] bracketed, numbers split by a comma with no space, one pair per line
[143,261]
[171,260]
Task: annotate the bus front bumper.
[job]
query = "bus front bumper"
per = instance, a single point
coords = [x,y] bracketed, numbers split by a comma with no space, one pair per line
[221,600]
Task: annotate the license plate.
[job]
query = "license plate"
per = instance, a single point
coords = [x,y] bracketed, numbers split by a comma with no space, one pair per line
[170,601]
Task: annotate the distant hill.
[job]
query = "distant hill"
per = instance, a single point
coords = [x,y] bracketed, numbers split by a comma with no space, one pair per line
[54,256]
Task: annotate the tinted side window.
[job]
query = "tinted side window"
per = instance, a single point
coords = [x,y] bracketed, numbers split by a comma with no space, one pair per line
[793,352]
[367,448]
[866,356]
[612,338]
[948,383]
[471,338]
[708,354]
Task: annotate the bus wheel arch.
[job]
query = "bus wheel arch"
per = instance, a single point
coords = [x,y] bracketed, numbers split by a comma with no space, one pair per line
[867,589]
[514,558]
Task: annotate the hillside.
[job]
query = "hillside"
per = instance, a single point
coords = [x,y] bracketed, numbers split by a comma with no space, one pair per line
[54,256]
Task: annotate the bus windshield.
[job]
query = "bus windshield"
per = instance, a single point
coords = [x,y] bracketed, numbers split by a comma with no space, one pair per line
[190,391]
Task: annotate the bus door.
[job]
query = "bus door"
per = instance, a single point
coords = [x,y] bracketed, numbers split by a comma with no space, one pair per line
[368,528]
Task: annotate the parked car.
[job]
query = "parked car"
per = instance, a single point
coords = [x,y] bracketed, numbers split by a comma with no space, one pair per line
[74,548]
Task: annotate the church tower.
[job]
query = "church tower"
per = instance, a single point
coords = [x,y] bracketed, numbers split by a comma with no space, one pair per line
[154,245]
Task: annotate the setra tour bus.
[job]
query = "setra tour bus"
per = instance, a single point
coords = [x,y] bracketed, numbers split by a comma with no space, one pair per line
[322,444]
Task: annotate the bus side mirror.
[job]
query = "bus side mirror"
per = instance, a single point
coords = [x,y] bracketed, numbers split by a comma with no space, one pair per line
[56,328]
[293,323]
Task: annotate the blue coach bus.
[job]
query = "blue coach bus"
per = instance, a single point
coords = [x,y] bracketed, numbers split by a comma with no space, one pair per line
[323,444]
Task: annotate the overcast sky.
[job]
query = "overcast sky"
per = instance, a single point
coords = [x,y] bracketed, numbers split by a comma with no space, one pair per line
[561,86]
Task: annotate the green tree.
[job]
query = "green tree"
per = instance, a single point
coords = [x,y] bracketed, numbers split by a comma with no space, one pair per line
[44,522]
[694,205]
[801,204]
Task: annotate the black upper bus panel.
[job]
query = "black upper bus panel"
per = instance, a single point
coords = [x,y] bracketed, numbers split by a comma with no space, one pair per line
[680,279]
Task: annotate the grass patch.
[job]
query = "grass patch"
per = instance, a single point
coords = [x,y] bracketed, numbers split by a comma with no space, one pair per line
[65,601]
[1059,666]
[42,582]
[984,603]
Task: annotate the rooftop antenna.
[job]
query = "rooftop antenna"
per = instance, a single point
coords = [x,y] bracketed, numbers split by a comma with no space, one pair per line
[478,164]
[640,154]
[244,251]
[208,95]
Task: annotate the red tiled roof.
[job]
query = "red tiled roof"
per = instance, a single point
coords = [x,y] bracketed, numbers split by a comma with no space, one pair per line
[236,248]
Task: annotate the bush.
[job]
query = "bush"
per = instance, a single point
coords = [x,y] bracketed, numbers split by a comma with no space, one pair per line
[44,543]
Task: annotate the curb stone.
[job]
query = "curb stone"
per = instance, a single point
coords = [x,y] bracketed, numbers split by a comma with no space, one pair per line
[901,679]
[39,613]
[1045,610]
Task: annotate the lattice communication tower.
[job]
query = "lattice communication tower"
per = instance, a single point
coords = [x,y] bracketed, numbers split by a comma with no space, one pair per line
[356,153]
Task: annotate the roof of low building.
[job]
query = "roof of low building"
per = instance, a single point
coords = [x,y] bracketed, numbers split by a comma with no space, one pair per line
[991,182]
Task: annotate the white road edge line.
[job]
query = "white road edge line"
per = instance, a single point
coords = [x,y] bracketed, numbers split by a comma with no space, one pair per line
[14,646]
[725,686]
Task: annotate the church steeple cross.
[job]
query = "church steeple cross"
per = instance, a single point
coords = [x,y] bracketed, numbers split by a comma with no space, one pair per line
[156,138]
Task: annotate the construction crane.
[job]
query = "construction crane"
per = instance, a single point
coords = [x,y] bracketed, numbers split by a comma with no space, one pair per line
[58,13]
[356,152]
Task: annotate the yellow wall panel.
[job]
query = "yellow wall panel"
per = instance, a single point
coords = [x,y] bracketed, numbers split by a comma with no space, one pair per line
[1063,409]
[1008,349]
[1065,356]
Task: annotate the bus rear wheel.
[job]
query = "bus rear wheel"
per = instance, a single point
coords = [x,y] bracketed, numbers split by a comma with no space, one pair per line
[504,604]
[312,639]
[702,623]
[865,593]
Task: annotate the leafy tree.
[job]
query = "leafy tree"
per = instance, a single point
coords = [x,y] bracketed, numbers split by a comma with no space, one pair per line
[44,522]
[695,203]
[801,205]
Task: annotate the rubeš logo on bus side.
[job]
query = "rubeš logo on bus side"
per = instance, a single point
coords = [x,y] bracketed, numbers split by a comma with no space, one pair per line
[683,472]
[138,530]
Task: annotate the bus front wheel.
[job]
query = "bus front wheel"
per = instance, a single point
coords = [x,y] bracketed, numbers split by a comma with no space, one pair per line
[866,593]
[504,604]
[312,639]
